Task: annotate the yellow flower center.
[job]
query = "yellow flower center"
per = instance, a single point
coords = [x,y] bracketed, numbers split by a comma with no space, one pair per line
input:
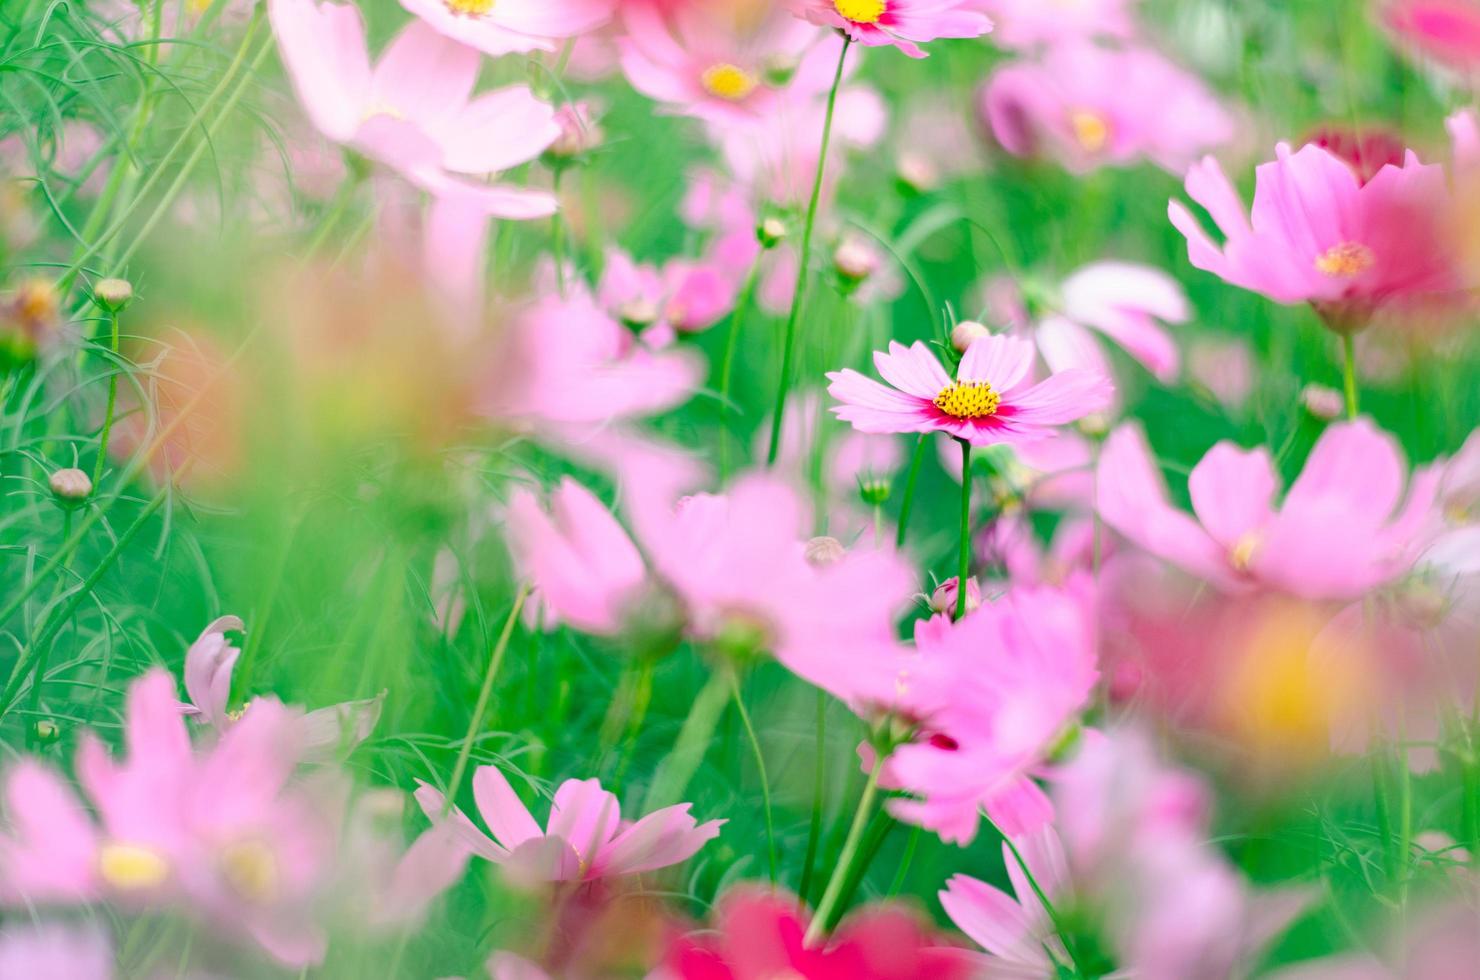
[470,8]
[726,81]
[1091,129]
[1241,555]
[861,11]
[132,867]
[251,870]
[1345,261]
[968,400]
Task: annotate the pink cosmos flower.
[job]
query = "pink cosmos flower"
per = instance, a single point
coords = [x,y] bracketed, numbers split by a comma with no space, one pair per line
[991,693]
[1342,529]
[53,951]
[904,24]
[1088,106]
[719,60]
[683,296]
[1445,30]
[584,839]
[989,401]
[414,111]
[209,665]
[1030,23]
[850,458]
[1317,234]
[507,26]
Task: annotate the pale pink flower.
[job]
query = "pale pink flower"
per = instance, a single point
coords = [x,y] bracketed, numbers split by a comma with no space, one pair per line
[718,60]
[992,693]
[989,401]
[1343,528]
[510,26]
[904,24]
[54,951]
[1088,106]
[584,839]
[1030,23]
[1317,234]
[1224,367]
[415,111]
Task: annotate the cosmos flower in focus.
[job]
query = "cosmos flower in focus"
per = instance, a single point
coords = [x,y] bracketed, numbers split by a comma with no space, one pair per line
[1344,527]
[498,27]
[415,110]
[584,839]
[990,400]
[1318,234]
[904,24]
[1088,106]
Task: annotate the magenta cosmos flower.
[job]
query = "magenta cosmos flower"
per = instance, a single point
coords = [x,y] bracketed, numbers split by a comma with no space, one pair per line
[990,400]
[1318,234]
[905,24]
[504,26]
[1445,30]
[1342,529]
[584,839]
[414,111]
[1088,106]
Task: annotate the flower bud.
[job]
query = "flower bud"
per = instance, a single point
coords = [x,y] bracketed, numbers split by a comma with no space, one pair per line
[943,599]
[638,312]
[874,490]
[46,731]
[770,232]
[1322,402]
[916,173]
[579,133]
[113,294]
[822,551]
[28,318]
[854,260]
[965,333]
[1094,425]
[71,485]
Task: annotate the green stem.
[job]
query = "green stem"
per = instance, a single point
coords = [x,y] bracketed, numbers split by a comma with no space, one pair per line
[909,490]
[814,830]
[642,697]
[760,765]
[727,366]
[1384,814]
[484,695]
[678,767]
[798,295]
[112,403]
[844,868]
[343,196]
[1349,373]
[965,563]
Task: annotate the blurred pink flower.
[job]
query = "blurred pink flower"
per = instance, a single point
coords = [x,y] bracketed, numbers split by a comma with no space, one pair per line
[1089,106]
[1445,30]
[849,457]
[1030,23]
[716,59]
[415,111]
[1317,234]
[1343,528]
[54,951]
[904,24]
[584,839]
[989,401]
[498,27]
[683,296]
[1224,366]
[992,694]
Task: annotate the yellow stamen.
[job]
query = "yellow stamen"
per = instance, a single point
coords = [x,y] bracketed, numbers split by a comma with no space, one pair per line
[968,400]
[861,11]
[726,81]
[1345,261]
[1091,129]
[470,8]
[251,869]
[132,867]
[1241,555]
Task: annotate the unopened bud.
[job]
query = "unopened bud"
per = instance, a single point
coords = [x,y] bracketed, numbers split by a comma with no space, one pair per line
[1095,424]
[854,260]
[965,333]
[71,485]
[113,294]
[770,232]
[47,732]
[874,491]
[579,133]
[1322,402]
[638,312]
[916,173]
[824,550]
[943,599]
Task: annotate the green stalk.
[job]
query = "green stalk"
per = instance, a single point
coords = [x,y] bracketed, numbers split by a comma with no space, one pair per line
[760,765]
[909,490]
[726,373]
[484,694]
[965,564]
[844,868]
[798,295]
[678,767]
[1349,373]
[814,830]
[112,403]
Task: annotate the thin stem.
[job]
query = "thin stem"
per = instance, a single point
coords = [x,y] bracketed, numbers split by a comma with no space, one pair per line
[112,403]
[965,563]
[484,694]
[909,491]
[678,767]
[557,230]
[843,869]
[727,366]
[814,830]
[760,765]
[798,295]
[1349,373]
